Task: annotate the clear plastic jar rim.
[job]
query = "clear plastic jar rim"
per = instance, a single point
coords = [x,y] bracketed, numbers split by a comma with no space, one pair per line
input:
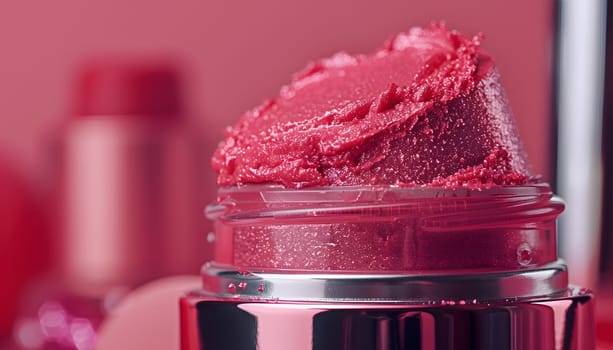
[259,202]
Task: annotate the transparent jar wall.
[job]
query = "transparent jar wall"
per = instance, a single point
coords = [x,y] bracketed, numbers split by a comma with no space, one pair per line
[385,247]
[387,230]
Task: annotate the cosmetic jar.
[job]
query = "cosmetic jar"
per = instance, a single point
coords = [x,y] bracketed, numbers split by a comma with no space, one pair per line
[386,267]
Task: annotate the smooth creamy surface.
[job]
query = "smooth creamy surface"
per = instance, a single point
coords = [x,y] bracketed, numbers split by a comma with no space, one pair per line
[426,109]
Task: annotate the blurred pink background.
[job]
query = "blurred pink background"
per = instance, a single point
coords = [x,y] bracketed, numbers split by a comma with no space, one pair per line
[238,54]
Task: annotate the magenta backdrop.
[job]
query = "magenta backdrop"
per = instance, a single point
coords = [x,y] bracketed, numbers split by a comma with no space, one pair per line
[238,54]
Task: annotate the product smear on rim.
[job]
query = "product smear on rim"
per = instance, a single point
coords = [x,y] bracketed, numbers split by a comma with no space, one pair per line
[427,108]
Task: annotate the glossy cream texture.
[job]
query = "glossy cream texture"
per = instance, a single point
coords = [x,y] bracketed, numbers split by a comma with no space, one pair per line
[427,108]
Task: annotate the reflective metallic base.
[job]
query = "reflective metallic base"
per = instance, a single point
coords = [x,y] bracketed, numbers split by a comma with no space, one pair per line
[416,288]
[563,322]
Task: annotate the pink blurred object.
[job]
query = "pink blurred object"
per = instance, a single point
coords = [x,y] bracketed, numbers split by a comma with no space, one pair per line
[131,204]
[147,318]
[23,242]
[604,318]
[60,322]
[124,90]
[129,201]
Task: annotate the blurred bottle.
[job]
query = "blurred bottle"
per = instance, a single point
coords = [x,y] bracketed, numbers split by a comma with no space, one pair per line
[129,203]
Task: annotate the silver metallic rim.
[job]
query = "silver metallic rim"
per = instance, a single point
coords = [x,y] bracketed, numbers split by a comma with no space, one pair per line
[223,281]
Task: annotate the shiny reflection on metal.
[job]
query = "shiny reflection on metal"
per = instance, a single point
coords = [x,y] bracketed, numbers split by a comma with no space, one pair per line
[561,323]
[224,282]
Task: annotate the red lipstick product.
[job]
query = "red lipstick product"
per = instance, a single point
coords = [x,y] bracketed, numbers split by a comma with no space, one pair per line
[384,201]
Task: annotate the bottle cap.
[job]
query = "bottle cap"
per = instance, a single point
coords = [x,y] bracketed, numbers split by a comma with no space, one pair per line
[128,89]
